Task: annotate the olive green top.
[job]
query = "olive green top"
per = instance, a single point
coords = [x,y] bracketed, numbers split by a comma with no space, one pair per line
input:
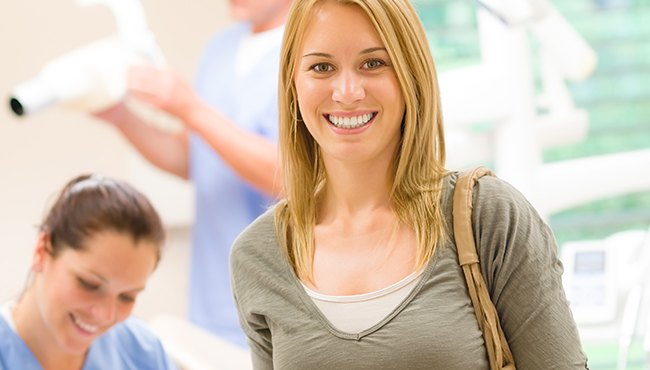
[435,326]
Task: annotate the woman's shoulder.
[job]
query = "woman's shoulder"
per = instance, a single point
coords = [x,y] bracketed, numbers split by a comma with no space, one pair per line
[261,230]
[496,196]
[496,204]
[256,250]
[257,241]
[12,348]
[490,192]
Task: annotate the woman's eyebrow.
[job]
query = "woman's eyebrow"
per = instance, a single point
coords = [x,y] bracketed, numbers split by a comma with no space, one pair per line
[317,54]
[370,50]
[102,278]
[97,275]
[327,55]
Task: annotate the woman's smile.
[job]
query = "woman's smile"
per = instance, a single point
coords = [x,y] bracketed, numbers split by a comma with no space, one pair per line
[350,121]
[85,328]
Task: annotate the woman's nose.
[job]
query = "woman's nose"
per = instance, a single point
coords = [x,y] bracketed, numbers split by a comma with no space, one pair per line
[348,88]
[105,310]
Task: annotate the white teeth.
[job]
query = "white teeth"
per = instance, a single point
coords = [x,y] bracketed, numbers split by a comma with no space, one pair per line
[84,326]
[350,122]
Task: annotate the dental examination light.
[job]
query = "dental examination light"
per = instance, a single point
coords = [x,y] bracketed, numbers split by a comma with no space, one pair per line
[571,53]
[92,77]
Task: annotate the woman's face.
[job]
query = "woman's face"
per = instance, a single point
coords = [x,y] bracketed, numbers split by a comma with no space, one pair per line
[82,293]
[348,92]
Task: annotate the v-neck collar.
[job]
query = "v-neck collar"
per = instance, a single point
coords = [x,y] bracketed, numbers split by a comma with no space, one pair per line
[318,314]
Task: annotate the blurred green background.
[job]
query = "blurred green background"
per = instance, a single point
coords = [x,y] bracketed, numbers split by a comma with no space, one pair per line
[616,97]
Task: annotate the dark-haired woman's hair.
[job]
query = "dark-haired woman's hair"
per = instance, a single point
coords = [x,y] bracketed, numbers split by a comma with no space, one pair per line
[90,204]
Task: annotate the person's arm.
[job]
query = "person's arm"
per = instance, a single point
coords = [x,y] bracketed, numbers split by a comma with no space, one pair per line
[166,150]
[253,157]
[519,260]
[258,335]
[254,325]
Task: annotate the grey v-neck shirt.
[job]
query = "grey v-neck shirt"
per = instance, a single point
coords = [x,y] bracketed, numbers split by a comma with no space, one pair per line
[435,326]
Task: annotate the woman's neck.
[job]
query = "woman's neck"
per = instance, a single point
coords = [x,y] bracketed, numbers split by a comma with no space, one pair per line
[31,328]
[350,190]
[360,250]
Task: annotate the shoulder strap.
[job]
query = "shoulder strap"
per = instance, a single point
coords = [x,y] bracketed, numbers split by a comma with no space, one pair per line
[499,354]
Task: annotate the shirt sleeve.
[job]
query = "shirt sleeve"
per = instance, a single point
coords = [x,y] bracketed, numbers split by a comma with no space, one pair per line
[519,260]
[259,340]
[254,324]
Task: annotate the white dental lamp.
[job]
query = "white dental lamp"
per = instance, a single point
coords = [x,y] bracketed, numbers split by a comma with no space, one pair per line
[501,90]
[92,77]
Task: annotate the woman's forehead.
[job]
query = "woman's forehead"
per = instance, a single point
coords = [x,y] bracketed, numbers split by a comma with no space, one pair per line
[337,26]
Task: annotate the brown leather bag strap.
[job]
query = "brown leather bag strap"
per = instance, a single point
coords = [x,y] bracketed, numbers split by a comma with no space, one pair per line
[499,354]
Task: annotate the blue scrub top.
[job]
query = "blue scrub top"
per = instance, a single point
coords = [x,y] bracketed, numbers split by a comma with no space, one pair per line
[225,204]
[126,346]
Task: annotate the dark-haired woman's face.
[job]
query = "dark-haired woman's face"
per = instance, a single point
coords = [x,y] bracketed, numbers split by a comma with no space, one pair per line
[82,293]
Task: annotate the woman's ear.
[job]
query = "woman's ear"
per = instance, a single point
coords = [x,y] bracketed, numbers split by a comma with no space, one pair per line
[41,252]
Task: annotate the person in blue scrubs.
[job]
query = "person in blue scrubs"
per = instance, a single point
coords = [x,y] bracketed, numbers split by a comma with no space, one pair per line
[95,250]
[226,146]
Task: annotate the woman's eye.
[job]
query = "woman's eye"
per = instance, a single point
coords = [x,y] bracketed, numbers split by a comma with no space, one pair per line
[87,285]
[374,63]
[127,298]
[321,67]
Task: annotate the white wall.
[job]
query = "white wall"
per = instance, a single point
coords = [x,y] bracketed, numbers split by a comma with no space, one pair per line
[39,153]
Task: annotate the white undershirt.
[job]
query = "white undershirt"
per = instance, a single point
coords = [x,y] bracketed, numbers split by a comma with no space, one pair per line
[254,46]
[356,313]
[5,312]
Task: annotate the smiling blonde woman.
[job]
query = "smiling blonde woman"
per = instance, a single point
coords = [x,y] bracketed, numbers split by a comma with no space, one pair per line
[357,267]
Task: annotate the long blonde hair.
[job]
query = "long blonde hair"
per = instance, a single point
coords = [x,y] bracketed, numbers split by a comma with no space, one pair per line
[418,167]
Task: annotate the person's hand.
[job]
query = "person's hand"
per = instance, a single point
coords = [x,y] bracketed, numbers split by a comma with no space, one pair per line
[162,88]
[116,114]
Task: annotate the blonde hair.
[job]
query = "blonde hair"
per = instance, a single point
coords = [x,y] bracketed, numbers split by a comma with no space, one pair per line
[418,168]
